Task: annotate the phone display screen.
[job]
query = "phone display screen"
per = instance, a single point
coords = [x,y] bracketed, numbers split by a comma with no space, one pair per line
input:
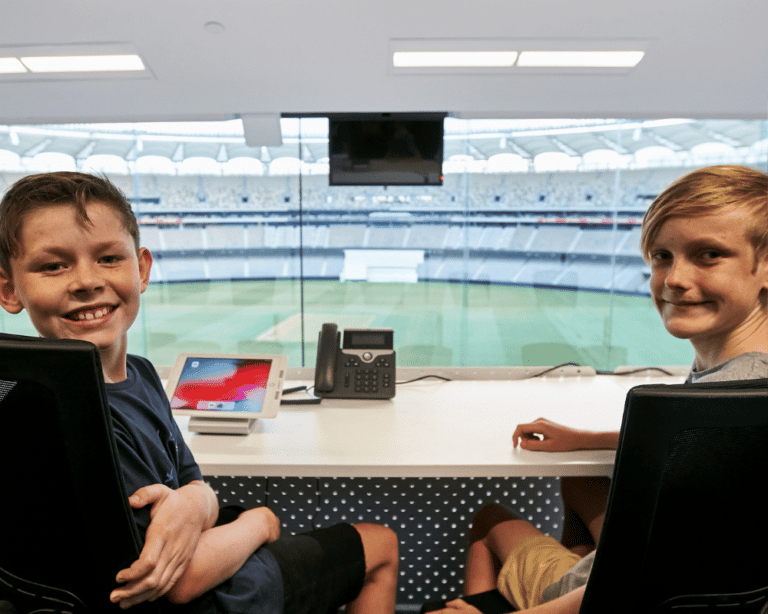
[371,338]
[222,385]
[364,340]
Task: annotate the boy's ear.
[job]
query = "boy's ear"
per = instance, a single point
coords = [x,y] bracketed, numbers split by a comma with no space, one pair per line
[145,266]
[8,298]
[762,272]
[762,268]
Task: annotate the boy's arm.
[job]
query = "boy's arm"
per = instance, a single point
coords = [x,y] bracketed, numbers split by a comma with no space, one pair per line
[546,436]
[178,517]
[222,550]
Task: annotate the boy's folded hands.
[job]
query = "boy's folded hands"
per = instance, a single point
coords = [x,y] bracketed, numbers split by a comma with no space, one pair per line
[178,519]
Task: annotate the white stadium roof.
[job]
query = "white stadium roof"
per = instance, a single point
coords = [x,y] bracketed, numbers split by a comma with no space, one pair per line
[475,139]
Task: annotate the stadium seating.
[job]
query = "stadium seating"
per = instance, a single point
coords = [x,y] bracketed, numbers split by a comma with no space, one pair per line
[525,228]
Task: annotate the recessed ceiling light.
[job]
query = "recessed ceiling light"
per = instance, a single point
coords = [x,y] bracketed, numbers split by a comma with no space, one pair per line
[580,59]
[214,27]
[83,63]
[458,59]
[11,65]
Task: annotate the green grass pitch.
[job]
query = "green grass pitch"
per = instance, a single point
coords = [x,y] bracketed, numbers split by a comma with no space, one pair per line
[435,324]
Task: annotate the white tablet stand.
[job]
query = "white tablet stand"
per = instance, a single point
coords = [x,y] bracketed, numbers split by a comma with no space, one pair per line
[221,425]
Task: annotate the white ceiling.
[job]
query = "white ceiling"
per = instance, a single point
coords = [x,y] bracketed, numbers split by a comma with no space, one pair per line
[705,58]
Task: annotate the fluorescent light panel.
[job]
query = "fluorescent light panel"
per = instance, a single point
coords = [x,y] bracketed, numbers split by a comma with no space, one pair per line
[11,65]
[580,59]
[83,63]
[444,56]
[459,59]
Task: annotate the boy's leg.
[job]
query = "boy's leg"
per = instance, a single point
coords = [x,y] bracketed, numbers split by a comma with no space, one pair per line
[326,568]
[584,500]
[378,594]
[494,533]
[513,555]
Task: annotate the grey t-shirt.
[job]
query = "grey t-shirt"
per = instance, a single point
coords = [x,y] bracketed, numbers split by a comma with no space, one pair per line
[750,365]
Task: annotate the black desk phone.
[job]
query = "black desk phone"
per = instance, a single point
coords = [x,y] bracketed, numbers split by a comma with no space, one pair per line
[363,367]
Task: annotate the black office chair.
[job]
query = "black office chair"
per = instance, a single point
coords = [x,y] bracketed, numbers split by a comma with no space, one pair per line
[685,525]
[66,528]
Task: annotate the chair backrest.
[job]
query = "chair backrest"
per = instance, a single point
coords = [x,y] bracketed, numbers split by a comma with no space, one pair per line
[685,526]
[66,528]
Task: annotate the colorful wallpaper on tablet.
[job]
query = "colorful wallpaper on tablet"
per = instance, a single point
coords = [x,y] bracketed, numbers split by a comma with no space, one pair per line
[222,384]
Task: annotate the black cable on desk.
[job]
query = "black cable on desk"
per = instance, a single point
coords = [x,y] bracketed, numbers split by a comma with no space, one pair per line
[302,401]
[565,364]
[633,371]
[602,371]
[445,379]
[295,389]
[550,369]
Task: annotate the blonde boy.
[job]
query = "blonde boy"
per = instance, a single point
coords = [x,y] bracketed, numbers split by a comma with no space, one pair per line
[705,238]
[70,257]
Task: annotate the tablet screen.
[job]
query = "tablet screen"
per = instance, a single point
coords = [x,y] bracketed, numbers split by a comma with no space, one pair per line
[225,385]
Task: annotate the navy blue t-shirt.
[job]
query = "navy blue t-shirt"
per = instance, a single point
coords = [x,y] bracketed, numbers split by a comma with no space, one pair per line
[152,451]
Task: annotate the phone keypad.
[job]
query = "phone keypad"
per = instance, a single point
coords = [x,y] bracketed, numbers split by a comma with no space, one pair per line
[369,380]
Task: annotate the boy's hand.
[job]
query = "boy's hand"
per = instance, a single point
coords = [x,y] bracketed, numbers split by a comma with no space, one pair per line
[171,538]
[546,436]
[266,521]
[543,435]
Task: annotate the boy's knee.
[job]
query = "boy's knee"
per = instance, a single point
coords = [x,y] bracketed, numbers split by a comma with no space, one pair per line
[380,544]
[389,542]
[487,518]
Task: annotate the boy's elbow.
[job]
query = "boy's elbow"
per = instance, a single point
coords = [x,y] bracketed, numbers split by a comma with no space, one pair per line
[182,592]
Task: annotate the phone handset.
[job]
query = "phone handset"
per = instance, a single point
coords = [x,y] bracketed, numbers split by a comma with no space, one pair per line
[327,347]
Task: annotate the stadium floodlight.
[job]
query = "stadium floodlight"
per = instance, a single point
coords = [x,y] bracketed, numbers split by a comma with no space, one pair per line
[454,59]
[11,65]
[83,63]
[580,59]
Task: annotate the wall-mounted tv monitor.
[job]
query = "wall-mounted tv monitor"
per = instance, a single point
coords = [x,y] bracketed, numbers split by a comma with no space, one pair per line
[386,149]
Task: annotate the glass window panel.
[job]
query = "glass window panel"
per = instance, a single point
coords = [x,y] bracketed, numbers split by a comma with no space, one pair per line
[526,255]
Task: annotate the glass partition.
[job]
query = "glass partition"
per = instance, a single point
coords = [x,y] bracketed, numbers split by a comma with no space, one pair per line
[526,255]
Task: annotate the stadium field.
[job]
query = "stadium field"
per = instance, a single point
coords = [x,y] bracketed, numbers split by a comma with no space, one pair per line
[434,323]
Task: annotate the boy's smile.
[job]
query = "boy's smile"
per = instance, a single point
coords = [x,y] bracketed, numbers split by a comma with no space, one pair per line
[707,284]
[78,280]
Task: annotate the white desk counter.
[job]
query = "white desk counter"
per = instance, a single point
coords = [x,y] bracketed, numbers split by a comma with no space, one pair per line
[432,428]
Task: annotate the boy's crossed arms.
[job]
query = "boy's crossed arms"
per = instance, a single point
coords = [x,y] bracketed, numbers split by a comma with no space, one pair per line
[181,556]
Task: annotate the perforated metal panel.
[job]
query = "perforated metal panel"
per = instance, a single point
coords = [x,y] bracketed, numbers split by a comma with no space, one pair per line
[431,516]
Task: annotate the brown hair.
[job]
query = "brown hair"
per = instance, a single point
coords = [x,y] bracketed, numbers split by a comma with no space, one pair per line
[61,188]
[709,191]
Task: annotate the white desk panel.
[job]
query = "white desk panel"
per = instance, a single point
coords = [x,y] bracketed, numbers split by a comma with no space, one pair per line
[431,428]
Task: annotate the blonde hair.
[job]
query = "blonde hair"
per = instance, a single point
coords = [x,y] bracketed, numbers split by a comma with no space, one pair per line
[709,191]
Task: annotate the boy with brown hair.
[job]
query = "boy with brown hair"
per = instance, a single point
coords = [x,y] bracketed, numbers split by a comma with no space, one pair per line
[705,238]
[70,256]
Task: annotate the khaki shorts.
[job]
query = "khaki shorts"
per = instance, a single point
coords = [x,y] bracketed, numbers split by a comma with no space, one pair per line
[534,564]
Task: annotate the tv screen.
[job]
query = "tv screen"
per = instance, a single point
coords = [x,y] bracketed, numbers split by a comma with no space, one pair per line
[386,149]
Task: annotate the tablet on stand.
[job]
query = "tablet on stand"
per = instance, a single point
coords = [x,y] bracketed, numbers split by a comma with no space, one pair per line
[226,393]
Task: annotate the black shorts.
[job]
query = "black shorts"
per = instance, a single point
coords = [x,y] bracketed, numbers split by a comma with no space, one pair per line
[322,570]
